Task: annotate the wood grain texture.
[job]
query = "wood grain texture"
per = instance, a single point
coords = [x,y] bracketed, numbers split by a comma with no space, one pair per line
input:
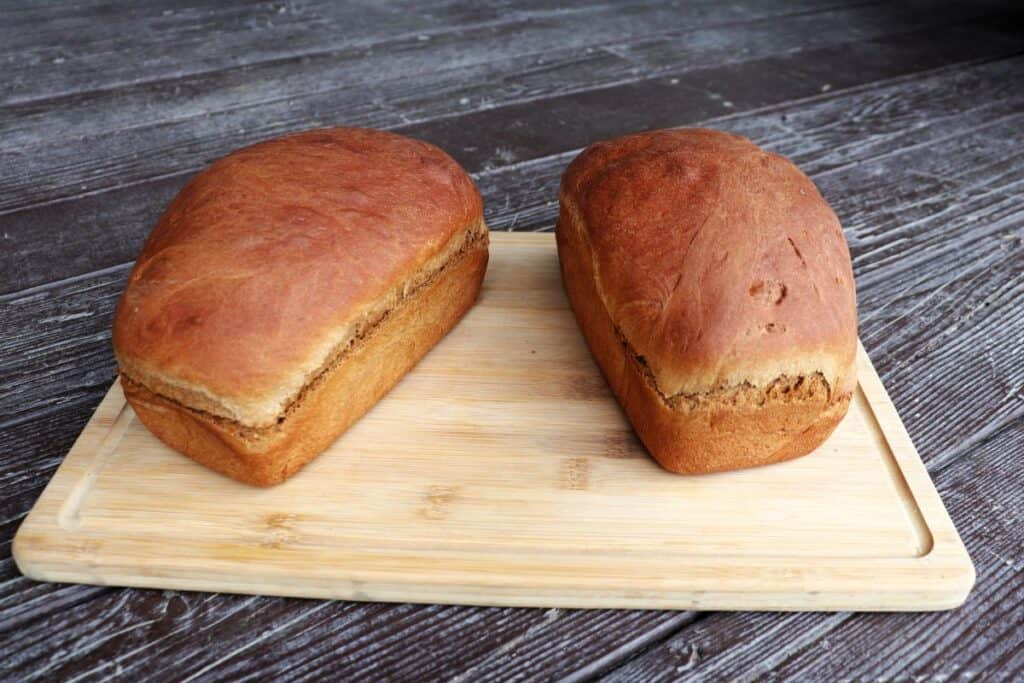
[184,42]
[205,39]
[140,177]
[46,354]
[174,139]
[313,641]
[553,520]
[937,314]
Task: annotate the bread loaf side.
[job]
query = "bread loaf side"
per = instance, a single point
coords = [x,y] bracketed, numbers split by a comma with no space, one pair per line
[714,287]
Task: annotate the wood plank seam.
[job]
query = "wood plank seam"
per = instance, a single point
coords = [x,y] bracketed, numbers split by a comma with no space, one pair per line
[298,56]
[719,120]
[524,19]
[611,49]
[656,637]
[401,126]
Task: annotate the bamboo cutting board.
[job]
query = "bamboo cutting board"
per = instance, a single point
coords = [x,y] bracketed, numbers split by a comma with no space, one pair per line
[502,472]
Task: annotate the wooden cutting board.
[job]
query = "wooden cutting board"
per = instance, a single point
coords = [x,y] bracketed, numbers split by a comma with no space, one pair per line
[502,472]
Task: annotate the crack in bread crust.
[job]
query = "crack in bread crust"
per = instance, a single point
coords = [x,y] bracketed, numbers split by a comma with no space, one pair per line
[784,388]
[476,237]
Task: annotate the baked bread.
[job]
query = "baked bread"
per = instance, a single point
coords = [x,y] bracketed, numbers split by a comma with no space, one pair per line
[714,287]
[288,287]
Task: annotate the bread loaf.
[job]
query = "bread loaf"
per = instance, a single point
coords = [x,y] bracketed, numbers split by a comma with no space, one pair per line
[714,287]
[288,287]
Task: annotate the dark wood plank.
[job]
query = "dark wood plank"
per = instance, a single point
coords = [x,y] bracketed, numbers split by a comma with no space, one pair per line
[34,31]
[247,638]
[32,450]
[56,347]
[227,109]
[411,94]
[574,120]
[106,229]
[88,51]
[215,38]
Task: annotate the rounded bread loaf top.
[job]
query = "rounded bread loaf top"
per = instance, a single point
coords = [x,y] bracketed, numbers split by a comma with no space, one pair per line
[274,255]
[720,264]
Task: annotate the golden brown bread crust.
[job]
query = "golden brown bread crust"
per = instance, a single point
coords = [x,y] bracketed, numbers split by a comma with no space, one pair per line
[288,287]
[275,256]
[373,364]
[714,287]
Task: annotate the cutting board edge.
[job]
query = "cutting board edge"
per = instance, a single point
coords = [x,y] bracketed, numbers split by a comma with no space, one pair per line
[947,588]
[945,568]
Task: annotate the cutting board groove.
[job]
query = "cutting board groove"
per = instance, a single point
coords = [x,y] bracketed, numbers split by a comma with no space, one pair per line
[501,471]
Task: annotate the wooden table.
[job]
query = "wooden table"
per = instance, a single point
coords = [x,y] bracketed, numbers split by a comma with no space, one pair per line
[909,118]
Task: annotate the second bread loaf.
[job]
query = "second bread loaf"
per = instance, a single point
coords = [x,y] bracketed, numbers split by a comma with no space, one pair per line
[713,285]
